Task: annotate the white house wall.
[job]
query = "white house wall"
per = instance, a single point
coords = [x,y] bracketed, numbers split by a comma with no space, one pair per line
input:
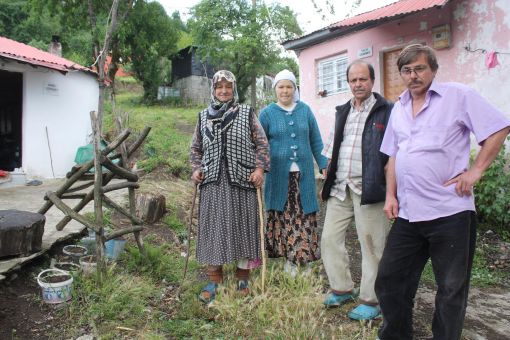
[62,104]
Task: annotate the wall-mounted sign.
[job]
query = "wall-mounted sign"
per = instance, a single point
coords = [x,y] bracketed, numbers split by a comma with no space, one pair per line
[365,52]
[441,37]
[51,89]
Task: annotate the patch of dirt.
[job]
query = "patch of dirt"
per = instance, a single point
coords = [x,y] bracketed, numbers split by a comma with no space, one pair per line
[185,128]
[23,315]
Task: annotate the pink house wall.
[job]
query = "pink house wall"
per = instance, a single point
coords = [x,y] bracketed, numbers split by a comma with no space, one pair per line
[481,24]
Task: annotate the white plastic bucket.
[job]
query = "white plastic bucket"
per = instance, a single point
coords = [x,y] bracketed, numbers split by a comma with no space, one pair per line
[75,251]
[88,264]
[113,248]
[69,267]
[55,292]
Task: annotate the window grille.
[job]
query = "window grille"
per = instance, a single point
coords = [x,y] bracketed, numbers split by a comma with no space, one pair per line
[331,75]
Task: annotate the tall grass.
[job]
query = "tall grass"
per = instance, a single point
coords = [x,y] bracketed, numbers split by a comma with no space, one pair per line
[111,304]
[168,142]
[288,308]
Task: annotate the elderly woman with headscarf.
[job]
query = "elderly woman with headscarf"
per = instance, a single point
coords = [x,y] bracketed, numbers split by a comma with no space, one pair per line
[290,193]
[229,155]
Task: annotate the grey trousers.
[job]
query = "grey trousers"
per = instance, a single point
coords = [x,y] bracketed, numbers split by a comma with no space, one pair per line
[372,227]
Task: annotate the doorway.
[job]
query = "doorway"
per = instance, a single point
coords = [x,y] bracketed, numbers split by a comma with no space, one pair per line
[393,84]
[11,89]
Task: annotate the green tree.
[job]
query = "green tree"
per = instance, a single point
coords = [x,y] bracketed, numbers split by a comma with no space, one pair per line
[12,12]
[146,35]
[241,36]
[151,36]
[24,23]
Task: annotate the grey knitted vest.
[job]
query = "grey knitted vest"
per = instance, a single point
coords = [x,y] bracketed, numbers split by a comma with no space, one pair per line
[229,140]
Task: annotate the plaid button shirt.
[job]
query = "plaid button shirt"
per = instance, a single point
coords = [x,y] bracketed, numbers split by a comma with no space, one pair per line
[349,168]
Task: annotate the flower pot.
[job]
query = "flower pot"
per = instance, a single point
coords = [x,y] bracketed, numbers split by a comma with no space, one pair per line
[113,248]
[69,267]
[75,251]
[88,264]
[55,285]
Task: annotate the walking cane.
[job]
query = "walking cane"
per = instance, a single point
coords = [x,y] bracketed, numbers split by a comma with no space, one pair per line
[189,233]
[262,238]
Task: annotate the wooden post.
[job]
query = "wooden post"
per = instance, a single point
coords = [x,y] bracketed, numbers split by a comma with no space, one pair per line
[98,185]
[131,190]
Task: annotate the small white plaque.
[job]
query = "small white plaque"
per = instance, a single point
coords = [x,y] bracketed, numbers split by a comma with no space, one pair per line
[365,52]
[51,89]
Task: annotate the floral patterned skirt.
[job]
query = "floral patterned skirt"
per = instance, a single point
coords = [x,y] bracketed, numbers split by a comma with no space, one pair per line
[290,233]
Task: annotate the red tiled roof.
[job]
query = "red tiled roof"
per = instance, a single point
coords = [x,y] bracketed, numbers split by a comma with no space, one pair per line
[14,50]
[401,7]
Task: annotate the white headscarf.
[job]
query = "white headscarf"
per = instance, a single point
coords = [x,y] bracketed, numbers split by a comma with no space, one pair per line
[287,75]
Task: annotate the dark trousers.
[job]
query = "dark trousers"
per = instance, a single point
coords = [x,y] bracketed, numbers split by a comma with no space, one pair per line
[450,244]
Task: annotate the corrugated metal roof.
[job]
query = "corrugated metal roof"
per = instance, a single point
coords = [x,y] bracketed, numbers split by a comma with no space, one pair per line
[365,20]
[14,50]
[395,9]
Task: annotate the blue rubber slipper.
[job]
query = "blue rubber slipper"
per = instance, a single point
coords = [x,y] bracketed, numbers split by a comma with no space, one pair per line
[243,287]
[365,312]
[208,293]
[336,300]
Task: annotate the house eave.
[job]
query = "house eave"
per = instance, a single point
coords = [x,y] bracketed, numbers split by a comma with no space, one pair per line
[37,63]
[330,33]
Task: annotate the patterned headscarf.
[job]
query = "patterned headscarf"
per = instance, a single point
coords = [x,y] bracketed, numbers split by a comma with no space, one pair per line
[217,108]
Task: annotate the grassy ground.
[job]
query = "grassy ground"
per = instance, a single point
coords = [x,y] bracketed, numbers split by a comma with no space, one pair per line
[142,297]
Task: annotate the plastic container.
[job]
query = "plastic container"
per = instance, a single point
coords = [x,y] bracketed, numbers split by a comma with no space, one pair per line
[75,251]
[88,264]
[113,248]
[56,285]
[69,267]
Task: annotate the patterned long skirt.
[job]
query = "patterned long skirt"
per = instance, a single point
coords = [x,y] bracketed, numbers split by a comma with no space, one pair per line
[228,223]
[290,233]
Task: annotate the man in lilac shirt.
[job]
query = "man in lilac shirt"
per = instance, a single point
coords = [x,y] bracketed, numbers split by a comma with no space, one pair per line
[429,193]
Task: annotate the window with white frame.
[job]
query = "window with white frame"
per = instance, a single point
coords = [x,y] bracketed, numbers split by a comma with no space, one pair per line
[331,75]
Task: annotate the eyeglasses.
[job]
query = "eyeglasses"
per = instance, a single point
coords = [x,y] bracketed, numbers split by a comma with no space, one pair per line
[418,70]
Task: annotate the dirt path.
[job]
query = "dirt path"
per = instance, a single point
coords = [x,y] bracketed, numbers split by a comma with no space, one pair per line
[487,315]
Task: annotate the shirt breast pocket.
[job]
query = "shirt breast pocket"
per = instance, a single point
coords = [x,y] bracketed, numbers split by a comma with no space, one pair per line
[429,138]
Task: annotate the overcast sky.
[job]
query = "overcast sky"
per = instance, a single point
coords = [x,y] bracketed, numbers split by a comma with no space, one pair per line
[308,18]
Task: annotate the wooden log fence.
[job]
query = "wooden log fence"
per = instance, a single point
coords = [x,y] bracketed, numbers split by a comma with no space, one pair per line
[117,149]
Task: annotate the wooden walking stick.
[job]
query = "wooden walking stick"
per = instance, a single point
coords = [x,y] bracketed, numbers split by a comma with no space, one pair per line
[262,238]
[189,233]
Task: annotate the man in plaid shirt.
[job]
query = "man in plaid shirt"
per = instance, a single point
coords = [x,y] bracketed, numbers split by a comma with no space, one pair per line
[355,189]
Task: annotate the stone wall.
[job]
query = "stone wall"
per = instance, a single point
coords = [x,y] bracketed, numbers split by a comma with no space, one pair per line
[194,90]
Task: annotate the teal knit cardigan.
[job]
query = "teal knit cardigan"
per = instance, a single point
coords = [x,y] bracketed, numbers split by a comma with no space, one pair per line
[288,133]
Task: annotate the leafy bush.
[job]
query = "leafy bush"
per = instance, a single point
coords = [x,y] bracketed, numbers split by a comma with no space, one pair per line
[492,196]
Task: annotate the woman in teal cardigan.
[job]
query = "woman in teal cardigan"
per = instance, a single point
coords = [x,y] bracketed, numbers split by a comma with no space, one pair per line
[290,193]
